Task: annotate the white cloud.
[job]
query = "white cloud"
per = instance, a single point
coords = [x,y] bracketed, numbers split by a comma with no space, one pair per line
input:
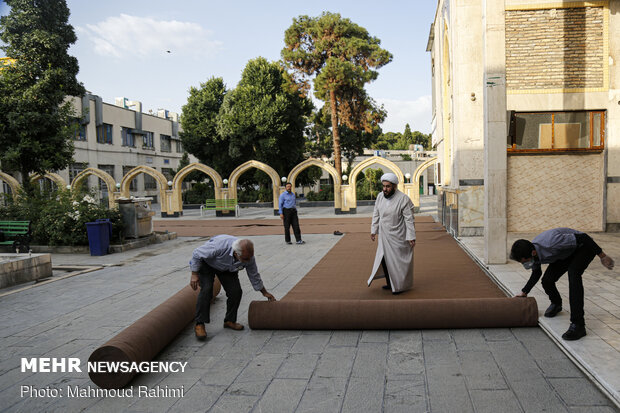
[417,113]
[126,35]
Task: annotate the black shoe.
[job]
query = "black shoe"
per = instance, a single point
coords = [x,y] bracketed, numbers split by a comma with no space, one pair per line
[553,310]
[574,332]
[289,242]
[386,287]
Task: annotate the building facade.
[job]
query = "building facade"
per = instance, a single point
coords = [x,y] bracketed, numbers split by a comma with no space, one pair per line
[116,138]
[526,116]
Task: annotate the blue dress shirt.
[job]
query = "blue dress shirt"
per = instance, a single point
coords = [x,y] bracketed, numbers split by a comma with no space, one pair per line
[287,200]
[218,253]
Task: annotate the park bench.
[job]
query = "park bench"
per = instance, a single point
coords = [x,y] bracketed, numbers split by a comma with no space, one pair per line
[220,205]
[15,233]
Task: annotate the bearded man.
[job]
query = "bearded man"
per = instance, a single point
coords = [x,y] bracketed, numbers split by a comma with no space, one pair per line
[393,222]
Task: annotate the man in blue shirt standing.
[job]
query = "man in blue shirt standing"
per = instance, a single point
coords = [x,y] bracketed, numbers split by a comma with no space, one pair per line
[288,214]
[224,256]
[564,249]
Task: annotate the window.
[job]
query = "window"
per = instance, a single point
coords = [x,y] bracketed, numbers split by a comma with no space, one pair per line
[104,133]
[179,146]
[133,186]
[557,131]
[149,183]
[75,169]
[127,137]
[165,143]
[109,169]
[80,133]
[148,141]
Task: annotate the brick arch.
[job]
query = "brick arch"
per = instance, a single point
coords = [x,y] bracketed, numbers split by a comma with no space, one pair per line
[159,178]
[177,182]
[13,183]
[57,179]
[104,176]
[292,176]
[241,169]
[371,161]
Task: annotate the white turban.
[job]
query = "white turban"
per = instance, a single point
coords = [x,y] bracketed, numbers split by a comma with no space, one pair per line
[390,177]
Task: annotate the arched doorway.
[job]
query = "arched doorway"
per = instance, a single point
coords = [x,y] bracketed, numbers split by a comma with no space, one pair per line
[160,179]
[327,167]
[275,180]
[365,164]
[104,176]
[177,185]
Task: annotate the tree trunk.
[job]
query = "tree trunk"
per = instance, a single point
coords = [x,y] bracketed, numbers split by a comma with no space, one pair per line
[335,132]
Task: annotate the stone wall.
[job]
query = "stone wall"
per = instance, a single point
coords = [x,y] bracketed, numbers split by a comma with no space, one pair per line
[555,48]
[548,191]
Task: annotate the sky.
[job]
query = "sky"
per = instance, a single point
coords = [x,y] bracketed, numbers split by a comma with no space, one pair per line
[154,51]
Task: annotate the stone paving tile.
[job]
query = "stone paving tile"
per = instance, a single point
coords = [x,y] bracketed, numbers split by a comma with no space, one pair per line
[371,360]
[536,395]
[228,403]
[335,362]
[363,395]
[323,395]
[282,396]
[298,366]
[574,393]
[312,343]
[345,338]
[406,396]
[492,401]
[481,371]
[281,342]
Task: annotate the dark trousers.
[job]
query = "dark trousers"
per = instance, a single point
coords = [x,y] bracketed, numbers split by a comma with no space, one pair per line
[231,285]
[575,264]
[387,275]
[290,218]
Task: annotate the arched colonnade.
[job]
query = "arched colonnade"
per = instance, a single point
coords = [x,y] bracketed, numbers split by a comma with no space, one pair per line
[345,196]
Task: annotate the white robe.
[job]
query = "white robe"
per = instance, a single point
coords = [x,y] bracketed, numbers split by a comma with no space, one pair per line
[392,221]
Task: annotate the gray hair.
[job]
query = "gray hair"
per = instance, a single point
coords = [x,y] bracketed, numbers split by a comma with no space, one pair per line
[239,245]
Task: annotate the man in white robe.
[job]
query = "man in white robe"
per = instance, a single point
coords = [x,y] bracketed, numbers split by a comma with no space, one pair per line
[393,222]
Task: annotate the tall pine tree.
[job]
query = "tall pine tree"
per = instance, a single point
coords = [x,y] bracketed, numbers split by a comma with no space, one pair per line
[342,56]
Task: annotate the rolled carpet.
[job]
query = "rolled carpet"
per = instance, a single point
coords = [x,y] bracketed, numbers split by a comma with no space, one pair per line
[449,291]
[393,314]
[145,338]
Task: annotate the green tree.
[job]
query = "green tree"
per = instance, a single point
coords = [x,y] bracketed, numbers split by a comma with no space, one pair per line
[264,117]
[199,123]
[387,140]
[36,122]
[425,140]
[405,140]
[341,55]
[352,141]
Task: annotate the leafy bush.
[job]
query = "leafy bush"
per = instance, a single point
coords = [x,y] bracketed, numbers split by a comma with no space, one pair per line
[253,195]
[326,193]
[369,185]
[199,193]
[60,217]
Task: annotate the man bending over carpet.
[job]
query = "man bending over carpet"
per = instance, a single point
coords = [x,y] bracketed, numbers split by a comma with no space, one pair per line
[224,256]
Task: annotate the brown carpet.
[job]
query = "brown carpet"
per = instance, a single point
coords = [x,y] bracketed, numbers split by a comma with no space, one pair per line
[450,290]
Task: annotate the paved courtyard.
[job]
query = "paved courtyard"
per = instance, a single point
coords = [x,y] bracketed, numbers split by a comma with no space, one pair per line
[469,370]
